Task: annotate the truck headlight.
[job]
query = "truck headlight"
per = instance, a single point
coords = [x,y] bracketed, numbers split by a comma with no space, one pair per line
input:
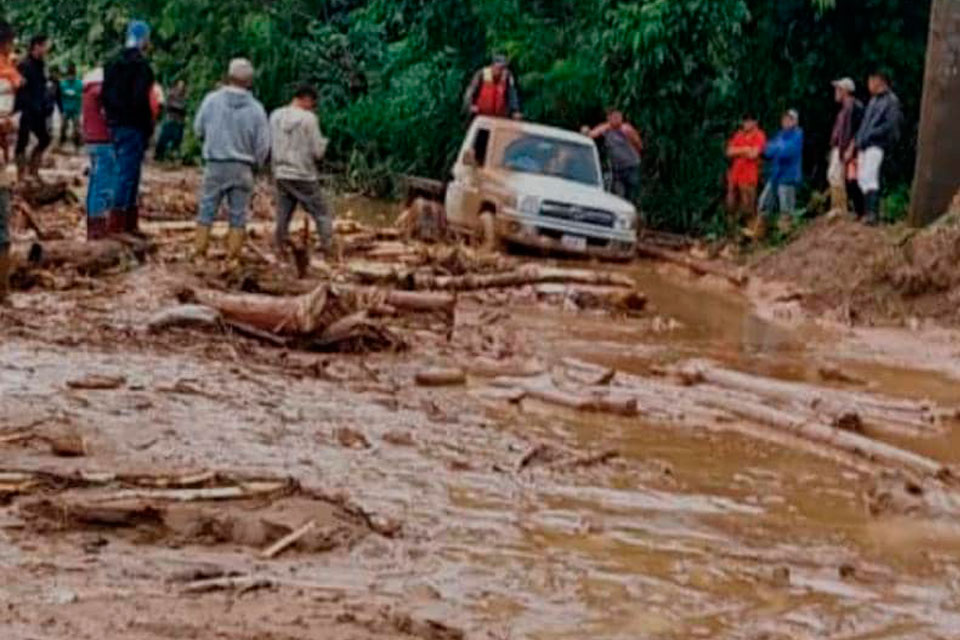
[530,205]
[626,223]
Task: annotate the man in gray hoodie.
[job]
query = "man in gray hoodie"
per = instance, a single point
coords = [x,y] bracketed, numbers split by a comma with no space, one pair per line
[298,145]
[236,140]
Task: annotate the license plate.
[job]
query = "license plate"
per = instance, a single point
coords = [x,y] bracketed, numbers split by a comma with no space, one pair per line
[574,243]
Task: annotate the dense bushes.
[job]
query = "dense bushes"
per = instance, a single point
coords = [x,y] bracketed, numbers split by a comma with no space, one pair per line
[391,72]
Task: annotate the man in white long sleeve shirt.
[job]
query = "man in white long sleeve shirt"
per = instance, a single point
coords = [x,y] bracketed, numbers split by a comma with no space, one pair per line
[298,145]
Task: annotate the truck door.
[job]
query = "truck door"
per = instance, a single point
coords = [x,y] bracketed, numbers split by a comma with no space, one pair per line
[463,194]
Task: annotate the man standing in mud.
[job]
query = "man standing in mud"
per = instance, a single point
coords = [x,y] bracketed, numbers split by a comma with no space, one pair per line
[103,165]
[875,140]
[744,151]
[841,174]
[298,145]
[127,90]
[493,92]
[236,140]
[10,81]
[71,95]
[35,105]
[785,155]
[623,146]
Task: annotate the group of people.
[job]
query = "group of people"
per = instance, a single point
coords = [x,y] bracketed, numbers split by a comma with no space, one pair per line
[860,141]
[239,138]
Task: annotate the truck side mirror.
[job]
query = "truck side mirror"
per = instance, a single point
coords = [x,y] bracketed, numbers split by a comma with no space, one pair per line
[469,158]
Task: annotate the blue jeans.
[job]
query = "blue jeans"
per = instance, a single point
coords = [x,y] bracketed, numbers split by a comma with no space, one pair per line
[101,192]
[230,181]
[782,198]
[130,145]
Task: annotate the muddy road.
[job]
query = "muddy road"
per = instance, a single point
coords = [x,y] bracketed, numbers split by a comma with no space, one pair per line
[147,479]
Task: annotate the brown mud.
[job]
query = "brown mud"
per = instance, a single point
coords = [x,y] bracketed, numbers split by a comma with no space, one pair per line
[513,502]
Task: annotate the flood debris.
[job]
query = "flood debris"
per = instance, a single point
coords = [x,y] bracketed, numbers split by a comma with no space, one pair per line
[96,382]
[441,377]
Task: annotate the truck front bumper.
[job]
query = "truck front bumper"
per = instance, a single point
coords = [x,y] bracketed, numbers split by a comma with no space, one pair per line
[564,236]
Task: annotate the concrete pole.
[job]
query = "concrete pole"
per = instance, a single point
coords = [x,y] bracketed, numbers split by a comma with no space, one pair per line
[937,178]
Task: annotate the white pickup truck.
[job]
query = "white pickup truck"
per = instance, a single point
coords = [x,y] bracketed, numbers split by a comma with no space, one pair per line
[527,184]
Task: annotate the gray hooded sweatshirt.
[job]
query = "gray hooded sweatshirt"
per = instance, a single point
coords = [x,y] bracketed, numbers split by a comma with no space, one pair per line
[298,144]
[234,128]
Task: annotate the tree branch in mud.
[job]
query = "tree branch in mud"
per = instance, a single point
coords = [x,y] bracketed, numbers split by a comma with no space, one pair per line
[699,267]
[328,318]
[530,274]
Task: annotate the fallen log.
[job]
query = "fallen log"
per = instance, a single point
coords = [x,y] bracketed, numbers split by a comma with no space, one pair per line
[243,491]
[88,258]
[699,267]
[439,377]
[543,390]
[906,416]
[530,274]
[327,318]
[849,442]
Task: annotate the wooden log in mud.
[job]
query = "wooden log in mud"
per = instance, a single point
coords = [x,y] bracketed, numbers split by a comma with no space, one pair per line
[530,274]
[87,258]
[900,416]
[699,267]
[441,377]
[591,401]
[849,442]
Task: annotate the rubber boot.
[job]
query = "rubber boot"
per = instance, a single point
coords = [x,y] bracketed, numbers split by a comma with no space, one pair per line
[21,161]
[97,228]
[757,230]
[201,243]
[115,222]
[36,159]
[5,262]
[131,223]
[235,241]
[838,199]
[872,206]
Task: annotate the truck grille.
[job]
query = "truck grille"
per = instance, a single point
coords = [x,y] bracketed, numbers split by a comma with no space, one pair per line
[574,213]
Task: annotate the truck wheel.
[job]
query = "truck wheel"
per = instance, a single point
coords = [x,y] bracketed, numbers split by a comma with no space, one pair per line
[490,242]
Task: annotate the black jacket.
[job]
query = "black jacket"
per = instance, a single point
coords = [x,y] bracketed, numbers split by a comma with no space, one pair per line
[127,85]
[33,100]
[881,123]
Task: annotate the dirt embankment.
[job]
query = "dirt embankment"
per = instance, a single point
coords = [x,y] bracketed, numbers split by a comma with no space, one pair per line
[843,270]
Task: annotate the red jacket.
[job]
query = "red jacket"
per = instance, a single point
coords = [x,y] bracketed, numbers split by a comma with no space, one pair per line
[95,129]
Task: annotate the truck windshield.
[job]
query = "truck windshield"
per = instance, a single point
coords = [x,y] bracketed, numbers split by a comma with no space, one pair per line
[552,157]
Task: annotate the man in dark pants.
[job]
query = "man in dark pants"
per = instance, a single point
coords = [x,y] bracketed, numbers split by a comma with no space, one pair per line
[10,81]
[35,106]
[127,88]
[875,140]
[298,145]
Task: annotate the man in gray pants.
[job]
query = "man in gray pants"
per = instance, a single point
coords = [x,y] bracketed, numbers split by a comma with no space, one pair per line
[298,145]
[236,140]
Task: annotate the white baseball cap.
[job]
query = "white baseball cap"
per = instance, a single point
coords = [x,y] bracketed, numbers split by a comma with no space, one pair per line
[847,84]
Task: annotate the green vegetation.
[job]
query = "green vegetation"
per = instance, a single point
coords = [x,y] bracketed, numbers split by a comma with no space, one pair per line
[392,72]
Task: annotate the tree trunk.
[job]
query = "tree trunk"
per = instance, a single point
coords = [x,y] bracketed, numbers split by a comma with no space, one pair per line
[937,176]
[698,267]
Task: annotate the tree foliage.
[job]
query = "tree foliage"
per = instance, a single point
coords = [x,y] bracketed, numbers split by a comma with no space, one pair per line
[391,72]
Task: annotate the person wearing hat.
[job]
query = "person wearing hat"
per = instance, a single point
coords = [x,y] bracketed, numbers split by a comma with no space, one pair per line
[784,154]
[842,175]
[10,82]
[236,140]
[875,140]
[493,92]
[127,94]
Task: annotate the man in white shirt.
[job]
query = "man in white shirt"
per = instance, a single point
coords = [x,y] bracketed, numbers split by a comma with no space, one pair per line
[298,145]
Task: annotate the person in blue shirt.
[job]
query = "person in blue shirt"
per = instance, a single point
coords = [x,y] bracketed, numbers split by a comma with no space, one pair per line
[784,154]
